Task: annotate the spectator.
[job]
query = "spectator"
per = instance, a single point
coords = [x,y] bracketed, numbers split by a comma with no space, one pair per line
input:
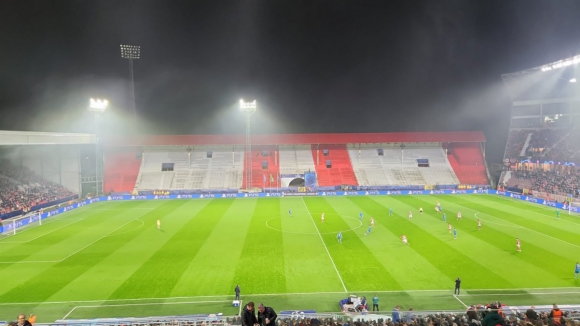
[556,314]
[471,313]
[22,321]
[249,316]
[531,314]
[492,318]
[396,315]
[266,315]
[410,316]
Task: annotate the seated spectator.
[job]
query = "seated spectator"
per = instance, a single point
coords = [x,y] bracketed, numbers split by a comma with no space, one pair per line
[21,189]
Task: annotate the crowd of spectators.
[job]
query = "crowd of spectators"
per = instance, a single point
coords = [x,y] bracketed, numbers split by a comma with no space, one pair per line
[21,189]
[480,315]
[565,182]
[567,150]
[515,143]
[558,145]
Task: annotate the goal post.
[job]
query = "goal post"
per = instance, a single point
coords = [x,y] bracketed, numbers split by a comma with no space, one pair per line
[573,208]
[12,226]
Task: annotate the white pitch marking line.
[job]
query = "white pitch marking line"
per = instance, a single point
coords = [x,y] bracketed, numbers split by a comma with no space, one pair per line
[512,294]
[58,217]
[40,236]
[68,314]
[523,227]
[544,214]
[324,244]
[500,224]
[140,226]
[460,301]
[83,248]
[297,293]
[74,253]
[150,304]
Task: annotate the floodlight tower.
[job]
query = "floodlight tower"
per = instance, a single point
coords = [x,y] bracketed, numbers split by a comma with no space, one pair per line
[248,108]
[131,52]
[98,107]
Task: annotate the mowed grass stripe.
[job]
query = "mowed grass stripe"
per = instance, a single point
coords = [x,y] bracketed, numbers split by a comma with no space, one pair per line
[212,270]
[306,262]
[48,247]
[261,267]
[32,232]
[519,218]
[493,247]
[409,268]
[545,246]
[44,285]
[545,215]
[104,278]
[160,273]
[71,240]
[359,268]
[450,260]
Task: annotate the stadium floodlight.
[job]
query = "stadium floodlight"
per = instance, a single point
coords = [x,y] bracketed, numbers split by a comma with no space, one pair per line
[573,80]
[248,108]
[131,52]
[561,64]
[98,105]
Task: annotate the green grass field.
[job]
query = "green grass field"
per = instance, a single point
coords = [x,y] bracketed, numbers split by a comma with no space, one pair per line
[109,259]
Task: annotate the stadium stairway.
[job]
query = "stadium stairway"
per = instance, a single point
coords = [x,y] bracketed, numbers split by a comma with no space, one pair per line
[341,171]
[258,172]
[467,161]
[121,170]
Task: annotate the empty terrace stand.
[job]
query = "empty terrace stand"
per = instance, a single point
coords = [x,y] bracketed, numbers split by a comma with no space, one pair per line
[400,167]
[468,163]
[121,169]
[264,167]
[339,171]
[295,159]
[200,167]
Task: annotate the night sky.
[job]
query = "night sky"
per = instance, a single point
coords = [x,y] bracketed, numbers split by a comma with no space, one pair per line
[313,66]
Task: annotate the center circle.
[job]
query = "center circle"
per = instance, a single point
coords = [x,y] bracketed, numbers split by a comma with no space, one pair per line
[310,217]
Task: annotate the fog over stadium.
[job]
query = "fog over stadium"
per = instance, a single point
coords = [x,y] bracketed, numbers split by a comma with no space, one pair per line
[314,66]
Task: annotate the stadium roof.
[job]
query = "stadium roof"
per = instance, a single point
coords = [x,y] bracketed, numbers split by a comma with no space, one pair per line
[43,138]
[548,81]
[294,139]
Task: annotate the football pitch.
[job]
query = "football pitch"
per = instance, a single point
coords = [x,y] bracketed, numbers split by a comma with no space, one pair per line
[110,260]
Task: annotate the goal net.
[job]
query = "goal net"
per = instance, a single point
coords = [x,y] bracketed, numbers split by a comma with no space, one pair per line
[574,208]
[15,225]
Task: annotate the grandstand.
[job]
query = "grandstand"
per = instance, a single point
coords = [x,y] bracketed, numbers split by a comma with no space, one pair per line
[542,154]
[356,160]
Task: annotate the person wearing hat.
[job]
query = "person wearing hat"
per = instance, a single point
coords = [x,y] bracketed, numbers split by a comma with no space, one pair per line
[556,314]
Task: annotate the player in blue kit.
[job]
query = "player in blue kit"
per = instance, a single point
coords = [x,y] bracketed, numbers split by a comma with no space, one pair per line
[339,237]
[369,230]
[290,212]
[390,212]
[454,233]
[577,271]
[444,217]
[360,216]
